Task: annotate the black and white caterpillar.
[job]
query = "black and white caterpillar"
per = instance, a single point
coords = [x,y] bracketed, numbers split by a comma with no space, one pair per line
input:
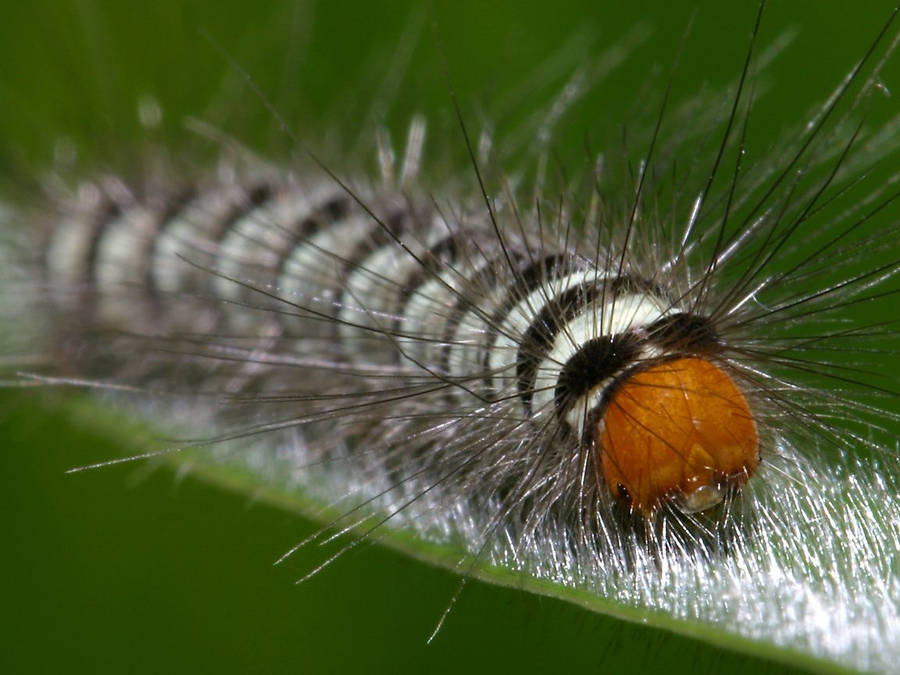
[650,385]
[512,331]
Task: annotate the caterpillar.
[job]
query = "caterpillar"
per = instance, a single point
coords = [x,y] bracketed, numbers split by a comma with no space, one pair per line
[476,352]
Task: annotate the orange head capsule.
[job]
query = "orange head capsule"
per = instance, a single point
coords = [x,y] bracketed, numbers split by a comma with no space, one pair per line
[681,429]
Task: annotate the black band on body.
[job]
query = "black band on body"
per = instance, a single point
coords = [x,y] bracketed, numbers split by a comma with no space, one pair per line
[684,332]
[556,315]
[173,206]
[379,235]
[331,211]
[526,282]
[443,253]
[596,360]
[252,198]
[485,277]
[100,220]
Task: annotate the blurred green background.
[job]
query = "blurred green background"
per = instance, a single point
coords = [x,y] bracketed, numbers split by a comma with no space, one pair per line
[127,569]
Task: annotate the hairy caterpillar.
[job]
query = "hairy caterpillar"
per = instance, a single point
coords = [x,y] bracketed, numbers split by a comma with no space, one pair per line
[882,238]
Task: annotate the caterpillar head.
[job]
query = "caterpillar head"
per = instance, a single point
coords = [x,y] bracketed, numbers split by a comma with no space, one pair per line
[680,430]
